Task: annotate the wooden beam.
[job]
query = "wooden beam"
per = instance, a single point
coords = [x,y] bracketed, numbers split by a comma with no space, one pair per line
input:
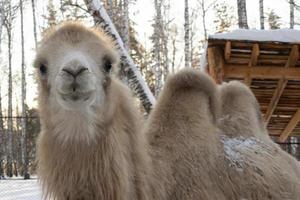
[252,62]
[270,72]
[227,52]
[275,99]
[290,127]
[293,57]
[291,62]
[211,63]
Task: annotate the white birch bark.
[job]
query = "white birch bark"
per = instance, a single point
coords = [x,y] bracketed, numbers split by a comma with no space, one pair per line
[2,137]
[292,15]
[157,40]
[242,14]
[34,22]
[9,13]
[186,34]
[23,100]
[261,14]
[126,36]
[137,83]
[9,114]
[165,38]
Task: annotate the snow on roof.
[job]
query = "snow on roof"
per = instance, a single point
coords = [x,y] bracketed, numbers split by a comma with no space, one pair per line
[278,35]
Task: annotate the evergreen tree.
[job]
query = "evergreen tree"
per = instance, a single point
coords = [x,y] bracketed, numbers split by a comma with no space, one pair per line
[224,17]
[273,20]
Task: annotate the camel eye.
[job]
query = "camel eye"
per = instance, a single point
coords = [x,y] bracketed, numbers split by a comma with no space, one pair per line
[43,69]
[107,64]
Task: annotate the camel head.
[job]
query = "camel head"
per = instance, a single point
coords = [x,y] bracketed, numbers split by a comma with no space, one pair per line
[73,65]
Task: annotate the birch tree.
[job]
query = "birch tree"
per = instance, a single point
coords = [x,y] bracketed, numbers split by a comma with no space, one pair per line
[165,37]
[136,82]
[187,60]
[292,15]
[204,7]
[242,14]
[174,33]
[157,44]
[34,22]
[2,137]
[8,18]
[125,27]
[23,99]
[261,14]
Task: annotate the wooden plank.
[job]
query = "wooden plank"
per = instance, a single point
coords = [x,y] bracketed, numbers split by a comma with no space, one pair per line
[291,62]
[290,127]
[227,52]
[275,99]
[252,62]
[220,62]
[259,72]
[211,63]
[293,57]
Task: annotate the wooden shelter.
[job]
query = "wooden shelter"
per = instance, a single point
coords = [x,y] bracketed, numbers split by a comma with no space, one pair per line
[271,68]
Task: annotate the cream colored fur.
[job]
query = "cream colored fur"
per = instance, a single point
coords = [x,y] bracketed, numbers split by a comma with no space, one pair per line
[200,141]
[197,157]
[275,173]
[88,149]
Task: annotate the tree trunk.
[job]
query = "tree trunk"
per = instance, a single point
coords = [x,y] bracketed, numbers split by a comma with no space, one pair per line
[261,14]
[137,83]
[23,120]
[186,34]
[157,40]
[165,38]
[34,22]
[125,35]
[2,137]
[292,16]
[242,14]
[9,114]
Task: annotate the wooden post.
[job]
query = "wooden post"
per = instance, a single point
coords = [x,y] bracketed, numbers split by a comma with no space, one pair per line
[290,127]
[253,62]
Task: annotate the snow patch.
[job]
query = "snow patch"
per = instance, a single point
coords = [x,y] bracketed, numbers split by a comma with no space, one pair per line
[234,148]
[19,189]
[278,35]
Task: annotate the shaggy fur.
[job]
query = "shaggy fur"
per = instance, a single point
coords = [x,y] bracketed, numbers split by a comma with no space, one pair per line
[91,147]
[240,108]
[94,154]
[198,157]
[184,139]
[268,172]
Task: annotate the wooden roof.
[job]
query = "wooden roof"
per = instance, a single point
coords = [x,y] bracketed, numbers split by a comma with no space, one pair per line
[271,70]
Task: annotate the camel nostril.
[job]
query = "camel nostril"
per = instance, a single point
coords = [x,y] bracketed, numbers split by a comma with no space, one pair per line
[76,72]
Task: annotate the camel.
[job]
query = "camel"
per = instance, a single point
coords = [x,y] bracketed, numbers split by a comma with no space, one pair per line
[249,147]
[211,143]
[90,146]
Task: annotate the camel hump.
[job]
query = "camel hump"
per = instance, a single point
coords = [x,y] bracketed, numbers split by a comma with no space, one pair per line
[193,80]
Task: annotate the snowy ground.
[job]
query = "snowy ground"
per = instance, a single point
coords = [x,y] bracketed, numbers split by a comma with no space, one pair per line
[19,189]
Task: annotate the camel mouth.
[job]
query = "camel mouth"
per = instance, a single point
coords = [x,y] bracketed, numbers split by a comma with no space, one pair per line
[76,96]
